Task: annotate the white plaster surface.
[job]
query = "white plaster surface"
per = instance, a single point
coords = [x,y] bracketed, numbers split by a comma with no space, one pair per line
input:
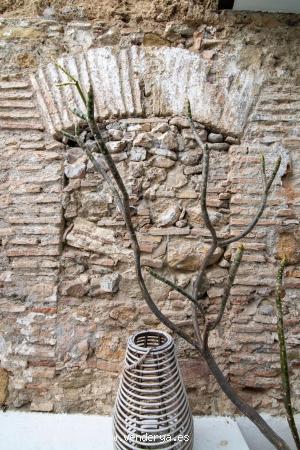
[38,431]
[287,6]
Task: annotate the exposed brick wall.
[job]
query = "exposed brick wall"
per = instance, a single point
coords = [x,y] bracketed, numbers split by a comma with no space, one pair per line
[69,295]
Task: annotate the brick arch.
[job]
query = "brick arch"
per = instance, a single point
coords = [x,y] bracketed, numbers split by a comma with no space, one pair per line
[151,81]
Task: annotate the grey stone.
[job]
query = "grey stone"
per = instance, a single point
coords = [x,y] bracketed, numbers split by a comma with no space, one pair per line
[138,154]
[156,173]
[191,157]
[117,157]
[162,162]
[139,127]
[169,141]
[223,263]
[193,170]
[163,152]
[161,128]
[116,146]
[181,143]
[90,143]
[111,37]
[232,140]
[75,170]
[110,282]
[137,170]
[169,216]
[143,140]
[175,30]
[180,122]
[128,136]
[115,135]
[215,138]
[74,153]
[181,223]
[100,159]
[187,134]
[221,146]
[267,310]
[49,13]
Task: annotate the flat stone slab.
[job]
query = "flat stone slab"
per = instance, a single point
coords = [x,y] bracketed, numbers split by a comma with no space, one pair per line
[38,431]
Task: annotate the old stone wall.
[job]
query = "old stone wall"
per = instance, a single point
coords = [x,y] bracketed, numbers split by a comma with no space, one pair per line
[69,298]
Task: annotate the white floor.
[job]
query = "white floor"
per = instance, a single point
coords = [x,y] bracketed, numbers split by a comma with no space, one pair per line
[256,441]
[35,431]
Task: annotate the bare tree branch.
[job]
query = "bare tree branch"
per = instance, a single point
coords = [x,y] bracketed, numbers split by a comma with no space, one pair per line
[77,112]
[261,209]
[203,346]
[97,166]
[209,326]
[176,288]
[263,170]
[241,405]
[207,222]
[204,211]
[193,128]
[71,137]
[106,177]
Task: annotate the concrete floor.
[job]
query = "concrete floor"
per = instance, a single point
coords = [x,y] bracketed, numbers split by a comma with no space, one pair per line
[36,431]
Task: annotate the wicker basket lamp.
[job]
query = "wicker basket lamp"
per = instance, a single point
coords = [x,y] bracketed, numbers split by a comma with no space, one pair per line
[151,409]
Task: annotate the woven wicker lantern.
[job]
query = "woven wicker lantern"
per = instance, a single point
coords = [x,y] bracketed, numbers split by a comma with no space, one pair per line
[151,409]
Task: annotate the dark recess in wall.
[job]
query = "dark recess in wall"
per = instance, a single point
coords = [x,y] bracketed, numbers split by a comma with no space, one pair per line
[226,4]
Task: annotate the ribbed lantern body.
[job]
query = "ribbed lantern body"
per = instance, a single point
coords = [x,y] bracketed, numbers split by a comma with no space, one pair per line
[151,409]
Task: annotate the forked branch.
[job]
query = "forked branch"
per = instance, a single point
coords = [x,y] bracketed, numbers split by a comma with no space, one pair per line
[204,352]
[176,288]
[267,187]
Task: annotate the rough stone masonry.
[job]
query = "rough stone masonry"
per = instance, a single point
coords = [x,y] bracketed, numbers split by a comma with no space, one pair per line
[69,298]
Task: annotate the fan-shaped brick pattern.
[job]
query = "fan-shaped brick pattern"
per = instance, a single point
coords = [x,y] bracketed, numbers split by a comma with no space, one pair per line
[147,82]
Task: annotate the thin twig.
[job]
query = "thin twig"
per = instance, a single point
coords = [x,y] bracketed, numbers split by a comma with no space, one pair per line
[77,112]
[261,209]
[106,177]
[67,83]
[204,211]
[75,81]
[192,125]
[70,136]
[231,277]
[207,222]
[263,170]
